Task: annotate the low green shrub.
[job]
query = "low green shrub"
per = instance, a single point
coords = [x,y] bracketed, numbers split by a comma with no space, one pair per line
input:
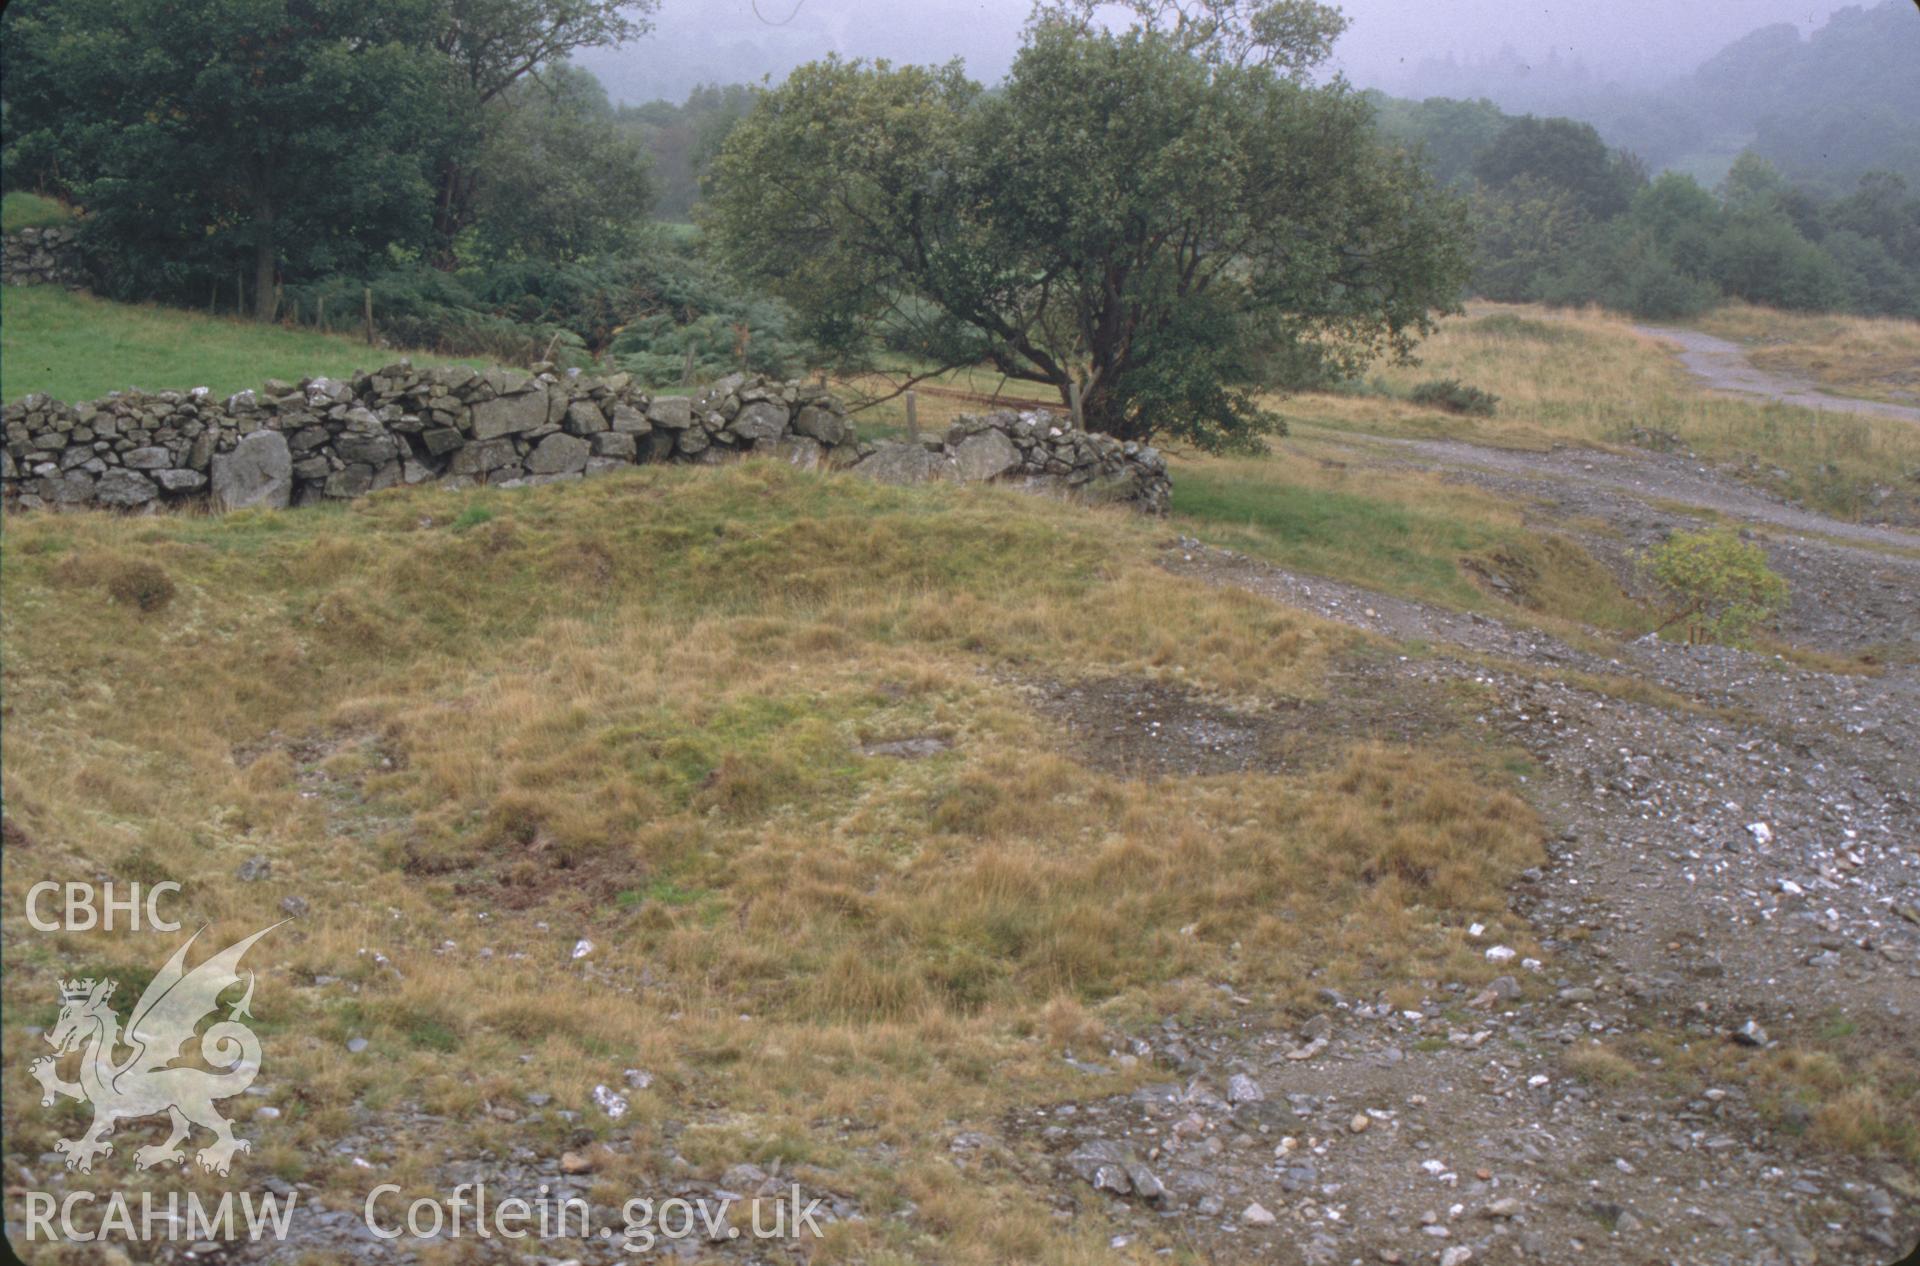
[640,312]
[1719,586]
[1455,397]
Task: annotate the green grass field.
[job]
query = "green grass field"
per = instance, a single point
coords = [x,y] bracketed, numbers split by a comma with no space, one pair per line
[31,211]
[76,347]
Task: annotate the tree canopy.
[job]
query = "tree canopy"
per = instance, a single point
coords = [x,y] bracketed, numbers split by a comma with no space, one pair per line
[199,135]
[559,179]
[1135,214]
[490,47]
[312,136]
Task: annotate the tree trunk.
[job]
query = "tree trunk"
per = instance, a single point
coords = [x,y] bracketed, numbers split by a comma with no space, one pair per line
[263,259]
[452,212]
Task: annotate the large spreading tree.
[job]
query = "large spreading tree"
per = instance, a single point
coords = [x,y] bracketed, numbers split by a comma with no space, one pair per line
[492,48]
[202,135]
[1138,215]
[291,139]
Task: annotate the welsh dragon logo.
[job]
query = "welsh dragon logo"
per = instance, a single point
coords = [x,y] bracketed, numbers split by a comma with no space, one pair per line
[143,1084]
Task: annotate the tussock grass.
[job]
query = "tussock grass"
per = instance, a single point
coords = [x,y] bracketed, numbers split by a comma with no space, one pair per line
[633,711]
[76,347]
[1600,1065]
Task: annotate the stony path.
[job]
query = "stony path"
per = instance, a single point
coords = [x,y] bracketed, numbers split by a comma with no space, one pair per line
[1639,478]
[1735,865]
[1855,586]
[1720,365]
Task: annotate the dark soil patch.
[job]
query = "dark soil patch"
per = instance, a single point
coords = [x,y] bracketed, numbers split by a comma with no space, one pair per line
[1140,728]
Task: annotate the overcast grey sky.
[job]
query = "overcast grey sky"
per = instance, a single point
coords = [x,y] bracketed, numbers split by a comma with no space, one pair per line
[700,41]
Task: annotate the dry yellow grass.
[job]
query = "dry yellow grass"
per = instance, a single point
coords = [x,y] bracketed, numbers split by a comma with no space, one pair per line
[1588,377]
[1875,358]
[634,711]
[1599,1064]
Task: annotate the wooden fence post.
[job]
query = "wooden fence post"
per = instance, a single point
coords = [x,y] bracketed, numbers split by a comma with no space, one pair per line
[367,296]
[913,417]
[1073,400]
[320,317]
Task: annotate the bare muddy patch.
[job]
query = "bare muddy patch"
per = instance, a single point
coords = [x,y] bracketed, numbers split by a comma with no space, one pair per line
[1140,728]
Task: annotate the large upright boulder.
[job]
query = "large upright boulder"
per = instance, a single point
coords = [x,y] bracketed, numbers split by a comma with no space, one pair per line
[985,456]
[761,421]
[511,414]
[899,463]
[258,472]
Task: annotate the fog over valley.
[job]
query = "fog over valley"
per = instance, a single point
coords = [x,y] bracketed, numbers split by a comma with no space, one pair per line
[1391,45]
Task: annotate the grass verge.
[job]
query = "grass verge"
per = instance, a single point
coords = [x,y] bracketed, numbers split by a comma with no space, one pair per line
[1873,358]
[1403,533]
[20,210]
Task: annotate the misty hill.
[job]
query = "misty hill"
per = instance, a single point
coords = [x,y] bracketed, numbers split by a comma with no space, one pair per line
[1823,109]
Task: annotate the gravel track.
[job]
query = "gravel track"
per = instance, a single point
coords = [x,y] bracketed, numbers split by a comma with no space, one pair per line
[1736,867]
[1720,365]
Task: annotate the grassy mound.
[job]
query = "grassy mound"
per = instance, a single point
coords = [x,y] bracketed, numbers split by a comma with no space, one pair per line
[470,730]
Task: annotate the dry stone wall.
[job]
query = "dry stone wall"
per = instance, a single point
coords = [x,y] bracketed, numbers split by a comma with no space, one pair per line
[296,444]
[41,257]
[1039,452]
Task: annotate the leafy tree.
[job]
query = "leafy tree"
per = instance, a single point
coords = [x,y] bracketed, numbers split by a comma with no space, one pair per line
[1761,257]
[559,179]
[1875,280]
[1882,209]
[1564,153]
[1842,102]
[1132,216]
[489,47]
[684,139]
[1753,184]
[197,134]
[1289,37]
[1825,108]
[1449,135]
[1621,265]
[1523,228]
[1679,213]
